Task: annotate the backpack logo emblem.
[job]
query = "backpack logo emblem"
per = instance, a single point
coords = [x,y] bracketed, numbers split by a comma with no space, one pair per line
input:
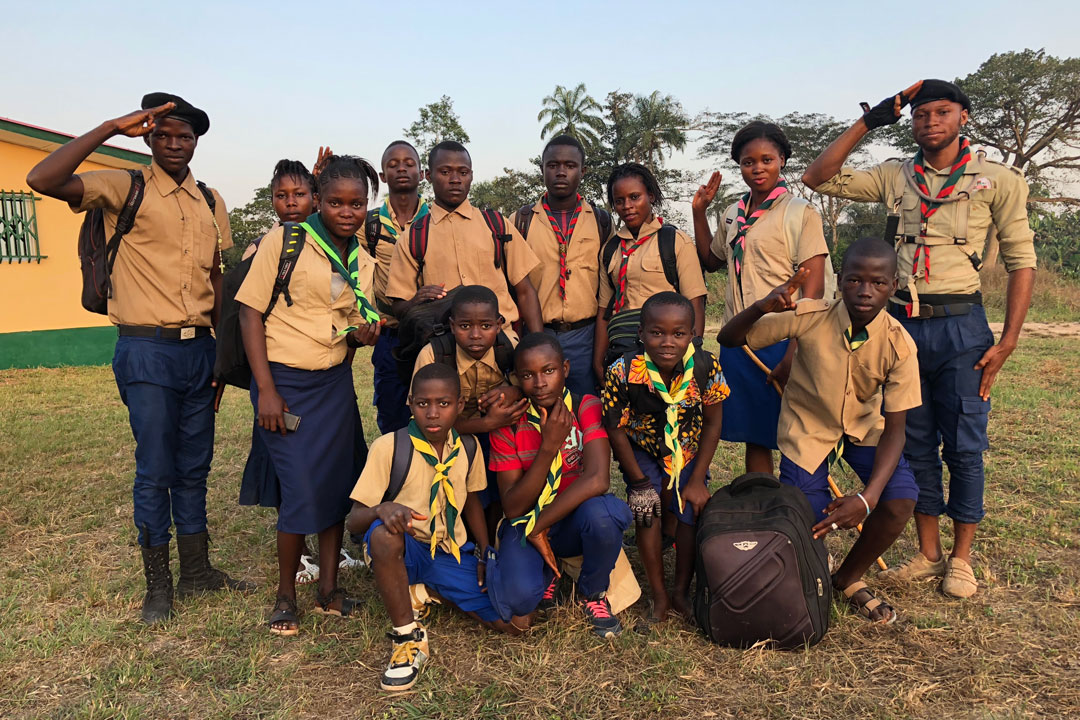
[745,545]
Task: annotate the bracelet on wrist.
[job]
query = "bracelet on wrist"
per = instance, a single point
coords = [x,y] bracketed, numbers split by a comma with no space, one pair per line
[867,504]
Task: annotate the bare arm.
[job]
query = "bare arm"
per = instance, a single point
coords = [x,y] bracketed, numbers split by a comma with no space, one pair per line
[733,334]
[600,343]
[829,162]
[271,404]
[702,233]
[528,303]
[699,315]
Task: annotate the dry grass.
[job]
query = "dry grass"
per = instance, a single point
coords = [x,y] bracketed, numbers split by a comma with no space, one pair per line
[71,645]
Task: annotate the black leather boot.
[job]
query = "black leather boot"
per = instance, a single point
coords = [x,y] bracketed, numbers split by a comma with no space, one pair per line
[196,574]
[157,604]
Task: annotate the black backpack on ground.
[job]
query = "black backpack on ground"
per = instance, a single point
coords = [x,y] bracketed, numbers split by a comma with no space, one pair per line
[523,219]
[231,364]
[402,460]
[760,574]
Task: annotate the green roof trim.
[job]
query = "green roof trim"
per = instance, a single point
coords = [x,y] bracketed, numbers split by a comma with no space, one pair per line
[61,139]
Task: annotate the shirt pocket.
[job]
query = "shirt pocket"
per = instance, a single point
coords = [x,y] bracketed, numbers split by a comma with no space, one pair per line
[910,213]
[867,381]
[652,269]
[206,244]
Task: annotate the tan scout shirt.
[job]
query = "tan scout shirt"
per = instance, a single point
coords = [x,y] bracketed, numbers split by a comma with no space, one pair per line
[384,253]
[582,263]
[416,491]
[998,195]
[766,262]
[476,376]
[461,251]
[645,270]
[162,273]
[305,334]
[832,391]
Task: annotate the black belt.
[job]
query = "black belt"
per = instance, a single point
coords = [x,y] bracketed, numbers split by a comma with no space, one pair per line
[563,327]
[163,333]
[932,306]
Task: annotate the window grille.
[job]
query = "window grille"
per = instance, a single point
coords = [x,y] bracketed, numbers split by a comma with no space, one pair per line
[18,227]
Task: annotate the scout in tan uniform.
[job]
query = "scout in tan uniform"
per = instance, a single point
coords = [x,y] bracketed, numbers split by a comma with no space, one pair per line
[461,249]
[165,297]
[566,232]
[852,381]
[940,218]
[764,237]
[636,269]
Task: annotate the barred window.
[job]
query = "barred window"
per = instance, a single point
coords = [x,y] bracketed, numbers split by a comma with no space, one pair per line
[18,227]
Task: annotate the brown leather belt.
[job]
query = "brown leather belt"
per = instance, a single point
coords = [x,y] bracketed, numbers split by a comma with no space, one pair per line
[563,327]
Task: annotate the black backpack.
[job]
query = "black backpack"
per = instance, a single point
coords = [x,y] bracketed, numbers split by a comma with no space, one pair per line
[402,460]
[523,219]
[231,364]
[760,574]
[666,238]
[418,242]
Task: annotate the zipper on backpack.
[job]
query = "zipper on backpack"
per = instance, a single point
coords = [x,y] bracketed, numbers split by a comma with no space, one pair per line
[820,589]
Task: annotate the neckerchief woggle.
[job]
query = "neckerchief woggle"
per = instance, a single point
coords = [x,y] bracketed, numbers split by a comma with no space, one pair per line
[926,209]
[554,474]
[671,414]
[315,228]
[743,223]
[440,480]
[386,217]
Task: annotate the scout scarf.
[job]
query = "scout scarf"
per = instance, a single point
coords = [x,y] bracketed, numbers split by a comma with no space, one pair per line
[554,475]
[564,240]
[627,250]
[854,343]
[671,420]
[440,479]
[743,223]
[926,209]
[315,228]
[386,217]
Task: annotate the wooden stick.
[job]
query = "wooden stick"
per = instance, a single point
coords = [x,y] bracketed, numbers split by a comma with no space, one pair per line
[832,483]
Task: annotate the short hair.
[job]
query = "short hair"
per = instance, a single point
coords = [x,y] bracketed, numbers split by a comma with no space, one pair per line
[760,130]
[666,299]
[350,167]
[394,144]
[474,295]
[634,170]
[869,247]
[564,139]
[536,340]
[448,146]
[292,168]
[437,371]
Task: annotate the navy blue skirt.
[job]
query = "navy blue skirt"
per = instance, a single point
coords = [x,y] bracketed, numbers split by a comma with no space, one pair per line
[752,410]
[260,484]
[316,466]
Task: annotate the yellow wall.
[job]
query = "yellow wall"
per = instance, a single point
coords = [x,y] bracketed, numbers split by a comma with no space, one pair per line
[45,295]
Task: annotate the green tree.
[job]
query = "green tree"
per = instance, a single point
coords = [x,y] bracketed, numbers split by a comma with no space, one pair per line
[507,192]
[249,223]
[1056,239]
[658,126]
[573,112]
[437,122]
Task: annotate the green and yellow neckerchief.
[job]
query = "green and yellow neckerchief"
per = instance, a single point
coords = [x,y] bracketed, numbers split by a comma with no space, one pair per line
[554,475]
[441,479]
[671,421]
[351,274]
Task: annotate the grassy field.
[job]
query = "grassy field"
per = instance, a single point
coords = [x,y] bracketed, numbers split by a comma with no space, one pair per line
[71,645]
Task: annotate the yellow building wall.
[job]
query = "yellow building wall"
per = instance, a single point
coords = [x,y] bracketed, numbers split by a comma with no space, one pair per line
[43,295]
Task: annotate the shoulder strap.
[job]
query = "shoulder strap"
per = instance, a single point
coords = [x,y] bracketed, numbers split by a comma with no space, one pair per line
[418,241]
[208,195]
[793,220]
[292,242]
[399,464]
[469,441]
[701,369]
[443,344]
[575,405]
[666,238]
[523,219]
[603,222]
[497,224]
[504,354]
[608,252]
[126,219]
[372,231]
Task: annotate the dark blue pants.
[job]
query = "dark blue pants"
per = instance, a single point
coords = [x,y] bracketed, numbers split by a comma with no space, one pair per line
[815,485]
[577,347]
[166,387]
[950,424]
[391,398]
[594,531]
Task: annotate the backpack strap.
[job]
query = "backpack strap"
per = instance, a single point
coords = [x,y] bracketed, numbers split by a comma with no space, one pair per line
[666,238]
[504,354]
[607,252]
[292,242]
[469,441]
[208,195]
[603,222]
[523,219]
[399,464]
[575,405]
[497,224]
[418,242]
[373,232]
[443,344]
[126,219]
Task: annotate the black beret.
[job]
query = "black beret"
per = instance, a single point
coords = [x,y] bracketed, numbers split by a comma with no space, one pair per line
[193,116]
[932,90]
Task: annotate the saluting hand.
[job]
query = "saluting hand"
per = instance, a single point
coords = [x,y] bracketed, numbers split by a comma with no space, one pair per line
[706,193]
[782,297]
[141,122]
[887,112]
[320,160]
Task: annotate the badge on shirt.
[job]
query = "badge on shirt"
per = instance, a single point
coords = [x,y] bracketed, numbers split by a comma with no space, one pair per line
[572,448]
[982,183]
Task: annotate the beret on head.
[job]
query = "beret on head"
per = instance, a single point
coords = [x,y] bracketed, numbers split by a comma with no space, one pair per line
[193,116]
[932,90]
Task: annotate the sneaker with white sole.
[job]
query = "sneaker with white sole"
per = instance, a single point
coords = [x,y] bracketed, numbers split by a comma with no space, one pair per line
[598,610]
[916,568]
[408,656]
[959,580]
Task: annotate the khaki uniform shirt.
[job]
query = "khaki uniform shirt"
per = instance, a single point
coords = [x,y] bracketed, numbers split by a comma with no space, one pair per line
[162,273]
[384,253]
[834,392]
[416,491]
[645,270]
[461,251]
[476,376]
[582,263]
[998,196]
[305,334]
[766,261]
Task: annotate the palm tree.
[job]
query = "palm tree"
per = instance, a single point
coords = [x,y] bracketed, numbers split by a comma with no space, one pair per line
[572,112]
[660,125]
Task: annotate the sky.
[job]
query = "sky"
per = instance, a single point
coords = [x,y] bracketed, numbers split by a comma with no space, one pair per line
[280,79]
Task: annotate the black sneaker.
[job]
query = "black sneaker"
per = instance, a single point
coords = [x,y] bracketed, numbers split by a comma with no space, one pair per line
[409,654]
[549,601]
[604,622]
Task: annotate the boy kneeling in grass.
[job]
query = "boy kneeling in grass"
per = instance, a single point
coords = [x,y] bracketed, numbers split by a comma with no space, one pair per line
[418,536]
[854,376]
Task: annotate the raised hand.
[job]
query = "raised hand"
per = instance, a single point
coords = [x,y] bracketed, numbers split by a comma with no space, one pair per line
[555,426]
[706,193]
[782,297]
[887,112]
[141,122]
[321,159]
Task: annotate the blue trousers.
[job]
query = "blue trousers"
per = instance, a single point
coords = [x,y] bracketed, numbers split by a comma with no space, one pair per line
[815,485]
[391,398]
[950,424]
[657,475]
[593,530]
[577,347]
[165,385]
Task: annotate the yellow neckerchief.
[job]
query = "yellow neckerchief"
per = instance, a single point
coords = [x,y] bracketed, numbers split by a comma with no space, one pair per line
[441,479]
[671,423]
[554,475]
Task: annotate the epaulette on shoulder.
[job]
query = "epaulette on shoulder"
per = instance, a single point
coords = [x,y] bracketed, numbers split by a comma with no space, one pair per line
[810,305]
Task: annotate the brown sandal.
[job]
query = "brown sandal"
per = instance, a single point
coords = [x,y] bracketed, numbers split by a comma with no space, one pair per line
[863,601]
[349,606]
